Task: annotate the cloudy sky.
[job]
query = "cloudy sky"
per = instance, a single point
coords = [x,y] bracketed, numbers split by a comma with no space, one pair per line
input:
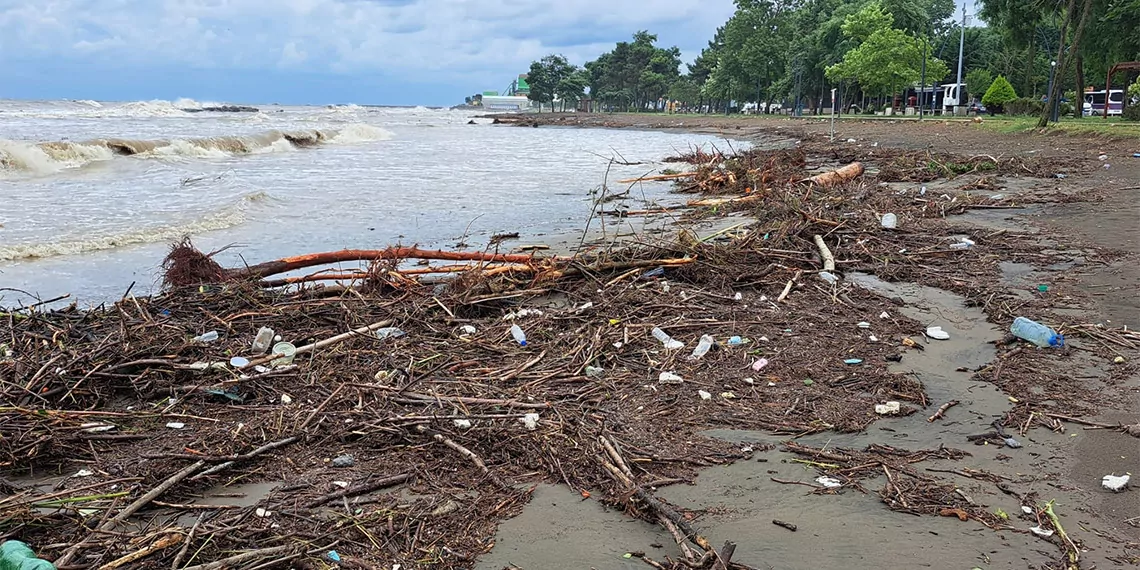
[402,52]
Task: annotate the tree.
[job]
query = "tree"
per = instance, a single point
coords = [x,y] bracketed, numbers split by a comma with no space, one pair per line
[999,93]
[978,80]
[572,87]
[887,58]
[634,74]
[545,76]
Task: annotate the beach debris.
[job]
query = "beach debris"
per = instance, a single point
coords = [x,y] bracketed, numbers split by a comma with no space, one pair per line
[829,482]
[175,425]
[1115,483]
[759,364]
[263,513]
[205,338]
[522,314]
[853,361]
[837,176]
[530,421]
[784,524]
[666,340]
[283,354]
[468,329]
[728,395]
[937,333]
[346,460]
[889,221]
[518,334]
[888,408]
[735,341]
[332,555]
[262,341]
[704,395]
[962,515]
[1011,443]
[749,381]
[669,378]
[706,342]
[1118,360]
[1042,532]
[828,277]
[388,332]
[1036,333]
[286,399]
[863,325]
[884,315]
[239,362]
[461,424]
[807,382]
[594,371]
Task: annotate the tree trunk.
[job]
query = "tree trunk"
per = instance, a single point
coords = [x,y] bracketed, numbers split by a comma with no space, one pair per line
[1062,61]
[1078,102]
[1030,55]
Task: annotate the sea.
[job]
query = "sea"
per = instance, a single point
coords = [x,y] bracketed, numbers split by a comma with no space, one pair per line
[92,194]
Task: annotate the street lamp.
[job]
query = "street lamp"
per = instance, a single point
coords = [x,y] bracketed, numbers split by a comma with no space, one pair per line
[1052,99]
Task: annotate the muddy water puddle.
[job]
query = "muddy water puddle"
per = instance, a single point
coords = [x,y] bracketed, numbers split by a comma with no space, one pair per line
[738,502]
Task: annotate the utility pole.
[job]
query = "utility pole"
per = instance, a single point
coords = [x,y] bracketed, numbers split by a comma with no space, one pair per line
[961,46]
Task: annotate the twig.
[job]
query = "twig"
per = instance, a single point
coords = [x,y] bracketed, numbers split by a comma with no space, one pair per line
[360,489]
[470,455]
[784,524]
[825,253]
[942,410]
[160,544]
[237,560]
[233,459]
[150,496]
[788,287]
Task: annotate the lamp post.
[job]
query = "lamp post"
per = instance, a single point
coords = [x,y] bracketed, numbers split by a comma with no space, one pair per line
[1052,99]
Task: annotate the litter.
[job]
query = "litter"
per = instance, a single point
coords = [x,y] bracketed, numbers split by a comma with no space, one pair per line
[669,378]
[829,482]
[388,332]
[702,348]
[704,395]
[1115,483]
[666,340]
[461,424]
[888,408]
[759,364]
[344,461]
[530,421]
[175,425]
[1044,533]
[206,337]
[468,329]
[937,333]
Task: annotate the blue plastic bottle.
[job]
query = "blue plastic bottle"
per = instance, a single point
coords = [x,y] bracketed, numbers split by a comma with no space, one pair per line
[1036,333]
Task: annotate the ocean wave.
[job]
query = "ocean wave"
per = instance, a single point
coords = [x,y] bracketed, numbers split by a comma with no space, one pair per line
[224,218]
[52,157]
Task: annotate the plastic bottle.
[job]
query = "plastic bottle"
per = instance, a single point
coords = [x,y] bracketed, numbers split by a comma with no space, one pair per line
[15,555]
[890,221]
[735,341]
[518,334]
[666,340]
[263,340]
[207,337]
[702,348]
[388,332]
[1036,333]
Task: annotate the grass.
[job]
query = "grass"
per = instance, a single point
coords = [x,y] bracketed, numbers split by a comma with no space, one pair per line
[1112,127]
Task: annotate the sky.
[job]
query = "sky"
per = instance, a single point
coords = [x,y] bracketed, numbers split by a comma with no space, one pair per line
[391,52]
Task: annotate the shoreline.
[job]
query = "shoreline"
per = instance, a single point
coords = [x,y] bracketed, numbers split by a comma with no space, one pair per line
[975,345]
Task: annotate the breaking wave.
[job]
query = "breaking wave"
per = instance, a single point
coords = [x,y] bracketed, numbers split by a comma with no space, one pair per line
[227,217]
[52,157]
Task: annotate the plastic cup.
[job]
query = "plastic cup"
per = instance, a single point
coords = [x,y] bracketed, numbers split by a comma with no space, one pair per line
[284,352]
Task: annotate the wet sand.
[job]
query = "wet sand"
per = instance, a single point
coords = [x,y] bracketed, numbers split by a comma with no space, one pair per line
[739,501]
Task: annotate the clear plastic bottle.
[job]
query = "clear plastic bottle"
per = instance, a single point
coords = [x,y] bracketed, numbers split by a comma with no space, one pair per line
[518,334]
[388,332]
[666,340]
[1036,333]
[207,337]
[263,340]
[702,348]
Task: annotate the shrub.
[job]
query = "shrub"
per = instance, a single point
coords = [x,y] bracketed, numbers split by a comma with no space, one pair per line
[999,93]
[1132,112]
[1024,106]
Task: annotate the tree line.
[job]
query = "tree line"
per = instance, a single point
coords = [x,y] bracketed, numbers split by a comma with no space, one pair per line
[793,52]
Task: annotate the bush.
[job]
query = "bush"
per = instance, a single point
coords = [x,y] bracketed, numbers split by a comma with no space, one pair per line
[999,93]
[1132,113]
[1024,106]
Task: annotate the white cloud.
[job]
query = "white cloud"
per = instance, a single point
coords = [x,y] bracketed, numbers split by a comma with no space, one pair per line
[414,39]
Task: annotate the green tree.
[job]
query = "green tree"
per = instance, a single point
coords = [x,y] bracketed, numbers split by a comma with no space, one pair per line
[999,93]
[572,88]
[887,59]
[545,77]
[978,80]
[634,74]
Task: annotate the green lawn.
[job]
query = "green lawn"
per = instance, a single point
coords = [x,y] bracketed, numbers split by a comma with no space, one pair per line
[1113,126]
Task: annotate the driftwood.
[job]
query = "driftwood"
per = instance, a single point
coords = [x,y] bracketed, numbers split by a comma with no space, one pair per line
[673,176]
[837,176]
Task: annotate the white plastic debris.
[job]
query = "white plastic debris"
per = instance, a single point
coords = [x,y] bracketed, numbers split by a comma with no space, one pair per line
[1026,510]
[84,473]
[1102,157]
[888,408]
[1114,483]
[702,348]
[522,314]
[884,315]
[864,325]
[530,421]
[937,333]
[468,329]
[749,381]
[239,362]
[669,378]
[704,395]
[263,513]
[175,425]
[462,424]
[586,305]
[829,482]
[873,338]
[829,277]
[286,399]
[738,297]
[667,341]
[341,484]
[594,371]
[1041,532]
[759,364]
[728,395]
[96,427]
[851,141]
